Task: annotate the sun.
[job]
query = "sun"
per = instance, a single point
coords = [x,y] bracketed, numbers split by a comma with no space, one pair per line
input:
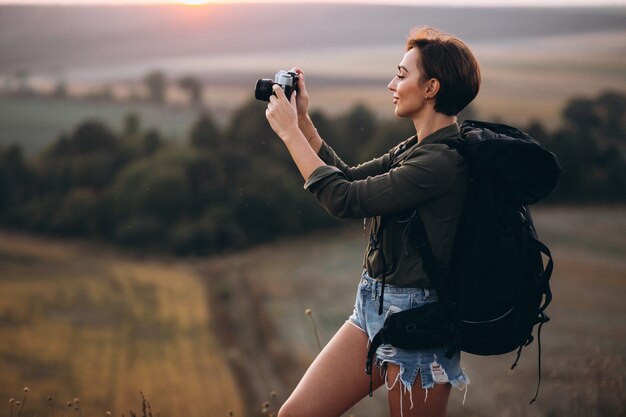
[194,2]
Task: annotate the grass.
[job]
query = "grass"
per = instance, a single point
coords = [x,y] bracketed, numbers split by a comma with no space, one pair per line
[583,346]
[32,123]
[204,336]
[83,321]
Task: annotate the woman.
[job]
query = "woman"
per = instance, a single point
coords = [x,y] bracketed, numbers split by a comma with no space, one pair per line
[437,77]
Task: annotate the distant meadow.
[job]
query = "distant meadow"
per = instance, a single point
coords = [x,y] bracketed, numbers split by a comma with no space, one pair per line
[532,60]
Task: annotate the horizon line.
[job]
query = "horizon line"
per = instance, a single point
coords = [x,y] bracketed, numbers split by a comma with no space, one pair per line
[525,4]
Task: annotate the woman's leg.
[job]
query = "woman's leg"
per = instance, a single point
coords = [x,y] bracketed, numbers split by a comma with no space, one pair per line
[435,405]
[336,379]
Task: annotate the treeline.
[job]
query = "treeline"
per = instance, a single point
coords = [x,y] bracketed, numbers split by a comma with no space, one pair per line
[233,187]
[591,145]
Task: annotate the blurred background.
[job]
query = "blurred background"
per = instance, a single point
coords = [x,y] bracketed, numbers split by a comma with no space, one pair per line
[155,236]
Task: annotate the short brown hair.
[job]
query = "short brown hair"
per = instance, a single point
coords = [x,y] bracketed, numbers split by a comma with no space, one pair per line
[449,60]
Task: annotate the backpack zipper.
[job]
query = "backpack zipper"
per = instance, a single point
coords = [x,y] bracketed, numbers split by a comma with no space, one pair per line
[492,320]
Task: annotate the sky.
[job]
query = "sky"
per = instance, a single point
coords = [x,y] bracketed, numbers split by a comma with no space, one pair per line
[508,3]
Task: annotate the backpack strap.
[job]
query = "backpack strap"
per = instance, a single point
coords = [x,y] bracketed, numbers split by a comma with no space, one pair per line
[374,239]
[438,277]
[369,361]
[547,273]
[543,319]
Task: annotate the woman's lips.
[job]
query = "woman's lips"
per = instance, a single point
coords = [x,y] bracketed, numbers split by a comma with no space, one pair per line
[395,100]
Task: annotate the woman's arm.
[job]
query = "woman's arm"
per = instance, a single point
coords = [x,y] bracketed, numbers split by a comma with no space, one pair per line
[427,174]
[322,149]
[302,110]
[282,116]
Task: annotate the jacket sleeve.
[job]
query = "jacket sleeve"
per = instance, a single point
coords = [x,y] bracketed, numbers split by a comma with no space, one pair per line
[425,175]
[374,167]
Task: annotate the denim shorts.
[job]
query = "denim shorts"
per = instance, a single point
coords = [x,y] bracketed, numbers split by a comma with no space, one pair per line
[430,364]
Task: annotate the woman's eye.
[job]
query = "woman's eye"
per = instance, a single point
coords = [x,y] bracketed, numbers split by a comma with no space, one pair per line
[399,76]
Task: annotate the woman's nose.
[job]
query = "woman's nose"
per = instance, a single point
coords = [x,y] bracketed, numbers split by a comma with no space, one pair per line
[391,85]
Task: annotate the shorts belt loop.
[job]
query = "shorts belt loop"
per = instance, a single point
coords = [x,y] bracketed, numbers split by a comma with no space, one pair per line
[374,289]
[426,293]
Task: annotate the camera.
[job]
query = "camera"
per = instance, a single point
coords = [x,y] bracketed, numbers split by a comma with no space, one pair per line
[287,80]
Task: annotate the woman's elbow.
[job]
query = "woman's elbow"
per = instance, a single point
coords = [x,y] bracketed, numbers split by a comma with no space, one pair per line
[343,211]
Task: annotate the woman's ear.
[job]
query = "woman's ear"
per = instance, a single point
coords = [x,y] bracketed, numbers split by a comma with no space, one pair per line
[432,87]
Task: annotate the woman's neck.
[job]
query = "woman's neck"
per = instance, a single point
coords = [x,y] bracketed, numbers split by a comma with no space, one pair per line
[432,123]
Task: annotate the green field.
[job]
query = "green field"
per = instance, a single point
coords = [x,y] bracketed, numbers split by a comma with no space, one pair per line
[203,336]
[33,123]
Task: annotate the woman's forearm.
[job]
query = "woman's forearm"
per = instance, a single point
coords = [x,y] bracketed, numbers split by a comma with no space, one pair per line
[283,118]
[303,153]
[310,132]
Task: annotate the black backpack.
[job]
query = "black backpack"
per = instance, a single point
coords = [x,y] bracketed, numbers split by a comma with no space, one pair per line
[497,288]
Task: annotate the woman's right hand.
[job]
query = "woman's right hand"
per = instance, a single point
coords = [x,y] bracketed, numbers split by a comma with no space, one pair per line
[302,98]
[305,124]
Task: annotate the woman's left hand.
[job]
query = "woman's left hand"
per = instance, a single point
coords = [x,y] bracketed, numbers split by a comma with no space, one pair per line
[282,114]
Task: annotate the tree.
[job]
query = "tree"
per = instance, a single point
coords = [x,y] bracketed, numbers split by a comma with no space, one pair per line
[204,133]
[579,114]
[354,131]
[389,134]
[151,142]
[156,83]
[155,186]
[132,123]
[15,177]
[193,86]
[90,157]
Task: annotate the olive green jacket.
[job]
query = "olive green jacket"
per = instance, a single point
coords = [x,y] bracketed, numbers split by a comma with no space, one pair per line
[427,176]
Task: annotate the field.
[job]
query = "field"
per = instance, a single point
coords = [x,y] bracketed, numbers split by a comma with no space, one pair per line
[523,80]
[202,336]
[34,122]
[583,347]
[86,322]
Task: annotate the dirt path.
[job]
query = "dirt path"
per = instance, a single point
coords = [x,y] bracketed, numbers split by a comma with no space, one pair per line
[263,366]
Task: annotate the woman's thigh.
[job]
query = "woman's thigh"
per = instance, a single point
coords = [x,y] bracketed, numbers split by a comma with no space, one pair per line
[336,380]
[419,402]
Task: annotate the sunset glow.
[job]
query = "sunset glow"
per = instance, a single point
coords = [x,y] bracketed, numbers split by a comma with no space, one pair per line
[194,2]
[450,3]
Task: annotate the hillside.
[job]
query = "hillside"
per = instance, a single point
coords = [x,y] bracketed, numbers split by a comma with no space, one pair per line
[585,337]
[71,314]
[81,321]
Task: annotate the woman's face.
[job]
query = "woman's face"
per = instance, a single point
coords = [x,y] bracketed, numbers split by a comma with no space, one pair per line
[409,90]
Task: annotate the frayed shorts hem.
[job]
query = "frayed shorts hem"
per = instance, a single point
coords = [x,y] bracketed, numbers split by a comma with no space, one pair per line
[430,365]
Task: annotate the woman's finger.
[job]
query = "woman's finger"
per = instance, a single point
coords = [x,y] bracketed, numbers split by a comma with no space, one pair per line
[298,71]
[280,94]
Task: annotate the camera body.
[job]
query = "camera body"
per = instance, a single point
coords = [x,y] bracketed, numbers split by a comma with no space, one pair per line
[287,80]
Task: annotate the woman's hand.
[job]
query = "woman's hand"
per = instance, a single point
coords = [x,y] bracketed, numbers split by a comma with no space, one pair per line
[283,117]
[302,100]
[282,113]
[302,108]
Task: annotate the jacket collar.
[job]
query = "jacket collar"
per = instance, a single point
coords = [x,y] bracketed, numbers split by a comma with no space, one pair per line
[447,132]
[406,148]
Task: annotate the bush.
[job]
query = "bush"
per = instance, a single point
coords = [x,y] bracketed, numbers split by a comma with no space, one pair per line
[224,190]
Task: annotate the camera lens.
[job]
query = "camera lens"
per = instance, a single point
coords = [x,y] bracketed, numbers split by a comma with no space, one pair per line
[263,89]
